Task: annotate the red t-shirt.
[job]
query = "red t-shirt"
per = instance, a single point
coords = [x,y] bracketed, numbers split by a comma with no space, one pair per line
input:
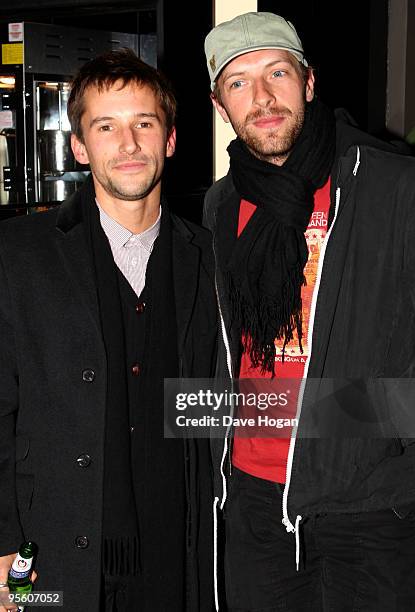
[267,457]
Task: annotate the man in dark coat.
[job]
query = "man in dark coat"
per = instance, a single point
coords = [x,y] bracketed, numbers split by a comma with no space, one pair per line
[314,240]
[100,300]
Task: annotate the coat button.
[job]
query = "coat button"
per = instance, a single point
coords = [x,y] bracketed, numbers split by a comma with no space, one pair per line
[88,375]
[135,369]
[81,542]
[140,307]
[84,460]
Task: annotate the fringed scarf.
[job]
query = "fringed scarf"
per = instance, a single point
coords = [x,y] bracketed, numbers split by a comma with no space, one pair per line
[266,269]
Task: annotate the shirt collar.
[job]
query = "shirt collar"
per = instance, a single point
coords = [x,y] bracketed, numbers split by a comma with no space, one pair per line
[119,236]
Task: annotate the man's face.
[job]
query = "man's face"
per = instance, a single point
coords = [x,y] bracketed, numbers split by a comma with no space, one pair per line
[125,142]
[263,95]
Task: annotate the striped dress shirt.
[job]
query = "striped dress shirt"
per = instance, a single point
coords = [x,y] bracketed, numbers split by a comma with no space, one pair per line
[131,252]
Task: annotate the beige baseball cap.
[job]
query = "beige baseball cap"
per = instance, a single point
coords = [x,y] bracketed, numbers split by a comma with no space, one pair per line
[249,32]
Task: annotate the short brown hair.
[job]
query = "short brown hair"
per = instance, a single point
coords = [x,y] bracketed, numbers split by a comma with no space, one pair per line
[105,70]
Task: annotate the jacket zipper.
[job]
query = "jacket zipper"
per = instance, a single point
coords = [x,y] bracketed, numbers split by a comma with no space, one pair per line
[286,520]
[225,340]
[225,447]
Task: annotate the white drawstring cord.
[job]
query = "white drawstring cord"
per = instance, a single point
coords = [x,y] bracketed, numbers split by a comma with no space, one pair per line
[215,553]
[296,530]
[297,542]
[357,164]
[286,521]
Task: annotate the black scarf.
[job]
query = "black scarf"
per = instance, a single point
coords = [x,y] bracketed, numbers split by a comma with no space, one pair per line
[120,527]
[144,502]
[266,270]
[158,463]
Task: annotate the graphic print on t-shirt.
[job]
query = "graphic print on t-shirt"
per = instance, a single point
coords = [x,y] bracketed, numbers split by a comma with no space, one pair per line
[315,234]
[267,457]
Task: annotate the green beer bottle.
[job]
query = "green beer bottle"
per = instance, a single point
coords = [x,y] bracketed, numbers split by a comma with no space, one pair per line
[18,579]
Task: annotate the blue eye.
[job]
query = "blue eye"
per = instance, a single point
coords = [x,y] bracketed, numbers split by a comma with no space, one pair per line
[278,73]
[236,84]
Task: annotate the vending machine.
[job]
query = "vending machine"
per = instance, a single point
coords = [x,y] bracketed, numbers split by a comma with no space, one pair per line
[37,166]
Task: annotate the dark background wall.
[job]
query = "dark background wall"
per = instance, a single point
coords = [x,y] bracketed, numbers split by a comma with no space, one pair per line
[346,43]
[182,58]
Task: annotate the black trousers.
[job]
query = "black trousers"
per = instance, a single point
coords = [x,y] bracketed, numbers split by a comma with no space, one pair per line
[349,562]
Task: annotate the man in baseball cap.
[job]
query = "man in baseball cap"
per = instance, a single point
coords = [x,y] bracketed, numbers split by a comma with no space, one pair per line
[303,225]
[249,32]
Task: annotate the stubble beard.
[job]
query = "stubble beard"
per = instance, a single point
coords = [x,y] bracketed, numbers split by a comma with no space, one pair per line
[135,188]
[136,192]
[271,145]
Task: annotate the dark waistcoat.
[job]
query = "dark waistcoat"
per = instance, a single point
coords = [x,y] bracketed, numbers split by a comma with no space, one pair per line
[145,505]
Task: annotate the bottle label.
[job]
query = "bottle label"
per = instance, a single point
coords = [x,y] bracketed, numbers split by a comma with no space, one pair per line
[15,574]
[21,567]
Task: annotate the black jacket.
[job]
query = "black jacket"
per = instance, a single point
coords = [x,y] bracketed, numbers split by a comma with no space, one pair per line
[52,399]
[363,329]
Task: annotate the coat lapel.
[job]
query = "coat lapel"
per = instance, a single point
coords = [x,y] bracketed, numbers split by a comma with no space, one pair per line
[337,249]
[186,258]
[76,257]
[227,218]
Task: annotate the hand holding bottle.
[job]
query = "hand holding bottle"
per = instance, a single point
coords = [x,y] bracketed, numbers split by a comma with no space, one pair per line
[5,565]
[16,575]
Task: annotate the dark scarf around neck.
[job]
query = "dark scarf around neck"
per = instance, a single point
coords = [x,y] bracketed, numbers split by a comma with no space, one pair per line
[266,270]
[120,527]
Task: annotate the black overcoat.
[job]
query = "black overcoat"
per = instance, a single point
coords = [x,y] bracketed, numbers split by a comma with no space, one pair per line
[52,398]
